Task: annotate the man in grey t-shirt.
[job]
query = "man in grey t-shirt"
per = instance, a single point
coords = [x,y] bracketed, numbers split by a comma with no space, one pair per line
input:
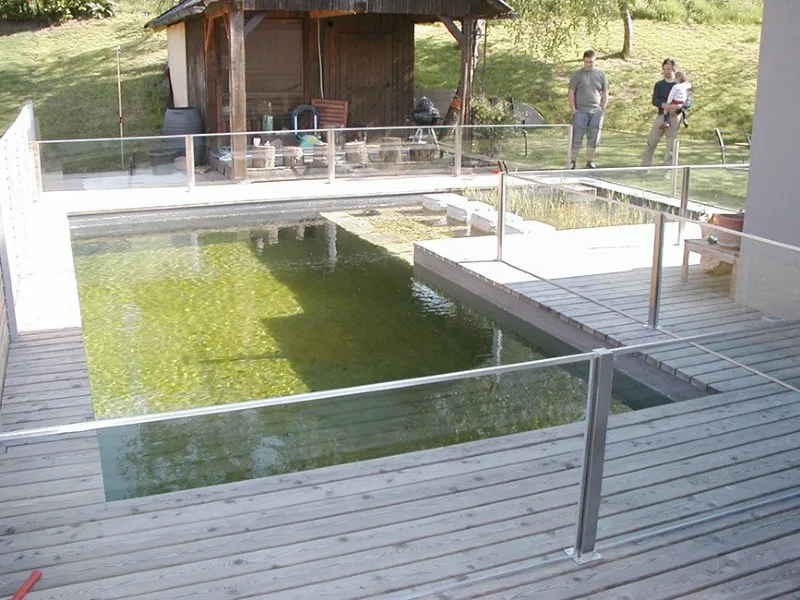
[588,98]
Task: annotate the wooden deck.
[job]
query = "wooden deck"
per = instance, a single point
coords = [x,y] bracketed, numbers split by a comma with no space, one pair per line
[488,518]
[613,307]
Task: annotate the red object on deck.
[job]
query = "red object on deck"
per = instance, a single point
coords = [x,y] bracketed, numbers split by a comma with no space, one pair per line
[26,587]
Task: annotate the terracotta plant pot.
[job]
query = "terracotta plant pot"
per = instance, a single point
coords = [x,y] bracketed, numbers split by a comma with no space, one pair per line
[734,222]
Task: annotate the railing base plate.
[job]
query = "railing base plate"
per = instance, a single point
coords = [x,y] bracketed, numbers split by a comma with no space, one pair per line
[584,558]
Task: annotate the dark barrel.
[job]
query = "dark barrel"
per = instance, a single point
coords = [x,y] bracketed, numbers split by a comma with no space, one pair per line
[182,121]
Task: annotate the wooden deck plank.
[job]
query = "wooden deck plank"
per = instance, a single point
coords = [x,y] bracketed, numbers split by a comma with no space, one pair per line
[508,470]
[764,584]
[680,570]
[550,499]
[75,372]
[404,521]
[739,558]
[515,581]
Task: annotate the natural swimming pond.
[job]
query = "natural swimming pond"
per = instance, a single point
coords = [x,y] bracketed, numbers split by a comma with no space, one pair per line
[197,318]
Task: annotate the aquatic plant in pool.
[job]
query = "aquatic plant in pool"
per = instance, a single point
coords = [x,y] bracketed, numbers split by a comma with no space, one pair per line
[189,319]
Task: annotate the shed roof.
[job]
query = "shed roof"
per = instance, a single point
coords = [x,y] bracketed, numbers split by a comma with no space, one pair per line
[445,8]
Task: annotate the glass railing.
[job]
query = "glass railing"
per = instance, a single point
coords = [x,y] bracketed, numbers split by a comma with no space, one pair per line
[624,254]
[291,155]
[625,149]
[137,457]
[357,153]
[660,469]
[698,464]
[100,164]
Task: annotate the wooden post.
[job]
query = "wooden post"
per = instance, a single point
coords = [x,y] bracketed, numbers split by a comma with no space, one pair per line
[213,91]
[467,66]
[237,93]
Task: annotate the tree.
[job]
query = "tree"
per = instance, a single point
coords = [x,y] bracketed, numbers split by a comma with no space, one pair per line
[627,22]
[546,25]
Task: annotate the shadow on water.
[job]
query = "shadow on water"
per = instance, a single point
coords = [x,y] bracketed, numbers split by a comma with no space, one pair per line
[358,317]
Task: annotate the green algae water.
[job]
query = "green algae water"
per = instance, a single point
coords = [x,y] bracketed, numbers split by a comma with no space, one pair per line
[180,320]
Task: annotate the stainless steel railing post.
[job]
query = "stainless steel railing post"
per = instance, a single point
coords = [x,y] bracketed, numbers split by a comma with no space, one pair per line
[501,214]
[598,403]
[684,209]
[656,272]
[189,154]
[457,159]
[331,151]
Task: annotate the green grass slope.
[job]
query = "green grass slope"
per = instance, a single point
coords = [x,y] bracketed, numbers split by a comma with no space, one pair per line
[70,72]
[721,61]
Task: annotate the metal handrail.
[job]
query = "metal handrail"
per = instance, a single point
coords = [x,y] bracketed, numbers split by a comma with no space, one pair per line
[311,130]
[399,384]
[659,217]
[388,386]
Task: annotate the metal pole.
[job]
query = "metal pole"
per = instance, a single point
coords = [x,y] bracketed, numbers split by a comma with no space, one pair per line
[36,151]
[656,272]
[188,144]
[684,209]
[569,146]
[501,214]
[676,153]
[598,403]
[119,111]
[458,151]
[331,150]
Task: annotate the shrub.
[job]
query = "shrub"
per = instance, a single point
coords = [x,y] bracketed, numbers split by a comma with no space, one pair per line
[55,10]
[491,111]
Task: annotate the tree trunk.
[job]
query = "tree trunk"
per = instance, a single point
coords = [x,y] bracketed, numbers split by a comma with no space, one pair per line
[470,51]
[627,21]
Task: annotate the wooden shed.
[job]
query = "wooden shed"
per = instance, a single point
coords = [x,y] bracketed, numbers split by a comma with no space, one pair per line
[235,59]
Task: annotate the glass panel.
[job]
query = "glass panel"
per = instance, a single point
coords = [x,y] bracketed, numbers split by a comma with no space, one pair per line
[593,254]
[267,156]
[717,279]
[514,148]
[703,456]
[159,457]
[113,164]
[719,189]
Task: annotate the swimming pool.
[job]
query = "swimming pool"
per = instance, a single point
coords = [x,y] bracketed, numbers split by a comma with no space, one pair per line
[196,318]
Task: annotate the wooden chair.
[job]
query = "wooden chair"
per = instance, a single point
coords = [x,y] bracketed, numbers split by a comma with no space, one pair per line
[332,113]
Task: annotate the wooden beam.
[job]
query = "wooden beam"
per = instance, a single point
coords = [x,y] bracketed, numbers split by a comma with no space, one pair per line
[238,97]
[453,29]
[218,11]
[467,66]
[325,14]
[208,38]
[213,91]
[253,23]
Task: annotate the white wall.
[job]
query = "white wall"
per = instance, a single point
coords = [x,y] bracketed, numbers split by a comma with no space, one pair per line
[176,57]
[773,194]
[769,277]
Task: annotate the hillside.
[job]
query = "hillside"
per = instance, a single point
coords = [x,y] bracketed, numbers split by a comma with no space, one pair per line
[721,60]
[70,72]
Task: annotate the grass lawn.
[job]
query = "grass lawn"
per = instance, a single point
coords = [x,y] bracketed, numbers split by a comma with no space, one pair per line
[720,60]
[70,70]
[70,73]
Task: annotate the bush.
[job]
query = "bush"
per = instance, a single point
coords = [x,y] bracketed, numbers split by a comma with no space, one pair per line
[491,111]
[55,10]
